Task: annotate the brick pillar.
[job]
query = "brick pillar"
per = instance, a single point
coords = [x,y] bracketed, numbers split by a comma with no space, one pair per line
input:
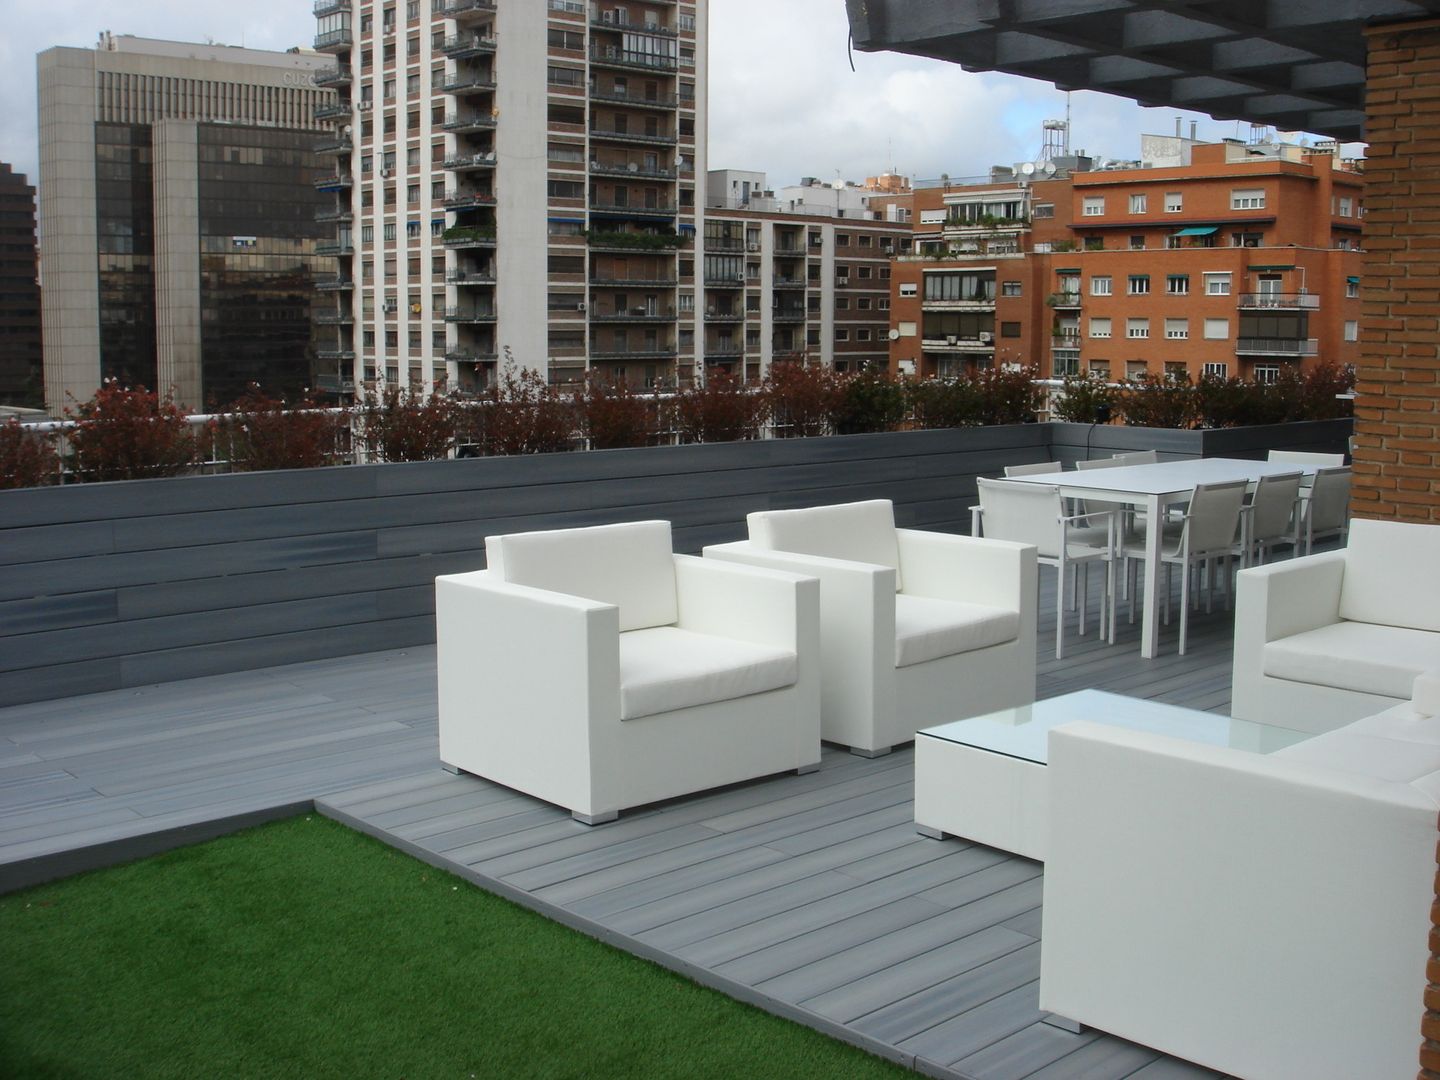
[1397,414]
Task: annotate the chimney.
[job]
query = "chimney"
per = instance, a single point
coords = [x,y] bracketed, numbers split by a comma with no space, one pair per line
[1194,125]
[1178,122]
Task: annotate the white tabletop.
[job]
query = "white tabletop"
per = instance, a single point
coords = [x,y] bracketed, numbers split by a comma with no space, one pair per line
[1165,477]
[1024,732]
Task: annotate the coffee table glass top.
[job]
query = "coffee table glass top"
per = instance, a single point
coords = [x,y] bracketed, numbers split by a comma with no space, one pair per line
[1023,732]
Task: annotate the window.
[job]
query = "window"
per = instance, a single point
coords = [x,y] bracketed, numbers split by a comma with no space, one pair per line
[1217,369]
[564,76]
[907,329]
[1137,243]
[842,239]
[566,189]
[367,234]
[1352,288]
[882,304]
[1009,329]
[1043,210]
[412,194]
[1100,286]
[1138,203]
[909,288]
[389,89]
[862,334]
[412,157]
[390,230]
[1217,329]
[1137,328]
[1010,288]
[1093,243]
[1352,330]
[687,22]
[1099,328]
[1174,202]
[1246,239]
[1092,206]
[864,272]
[1177,329]
[864,239]
[862,304]
[1139,284]
[412,84]
[1217,284]
[842,303]
[1178,284]
[1247,199]
[1100,369]
[1347,206]
[842,335]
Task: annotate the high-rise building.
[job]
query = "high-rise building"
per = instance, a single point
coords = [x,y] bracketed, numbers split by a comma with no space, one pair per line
[518,184]
[1227,259]
[20,383]
[177,229]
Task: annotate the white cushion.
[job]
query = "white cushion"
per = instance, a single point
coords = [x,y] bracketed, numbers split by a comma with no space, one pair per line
[628,565]
[665,668]
[1356,656]
[859,532]
[1426,693]
[1367,755]
[1390,575]
[926,628]
[1402,723]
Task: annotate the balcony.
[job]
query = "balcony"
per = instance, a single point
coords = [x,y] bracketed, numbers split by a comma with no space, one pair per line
[467,200]
[667,102]
[334,214]
[723,350]
[334,384]
[631,170]
[789,283]
[1267,301]
[607,56]
[790,251]
[466,46]
[1063,300]
[633,315]
[465,11]
[659,243]
[469,315]
[464,277]
[1065,341]
[667,353]
[608,23]
[335,110]
[953,343]
[334,318]
[724,281]
[1276,346]
[341,145]
[632,137]
[467,355]
[470,162]
[634,282]
[965,303]
[330,7]
[788,315]
[465,83]
[334,40]
[339,76]
[461,123]
[333,183]
[334,284]
[335,248]
[724,316]
[462,236]
[335,354]
[613,209]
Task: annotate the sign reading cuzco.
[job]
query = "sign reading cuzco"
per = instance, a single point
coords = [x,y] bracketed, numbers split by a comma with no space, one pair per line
[299,78]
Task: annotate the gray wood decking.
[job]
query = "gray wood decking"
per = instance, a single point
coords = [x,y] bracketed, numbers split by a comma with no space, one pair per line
[812,896]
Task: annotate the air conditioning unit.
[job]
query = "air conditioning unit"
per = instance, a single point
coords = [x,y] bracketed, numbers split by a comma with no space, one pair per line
[986,337]
[950,339]
[385,174]
[752,247]
[580,306]
[607,16]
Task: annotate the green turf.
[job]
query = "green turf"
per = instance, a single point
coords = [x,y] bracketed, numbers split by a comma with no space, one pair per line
[303,949]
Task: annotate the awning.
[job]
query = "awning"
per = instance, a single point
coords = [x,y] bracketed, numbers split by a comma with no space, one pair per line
[1069,270]
[1197,230]
[1352,280]
[570,220]
[1278,266]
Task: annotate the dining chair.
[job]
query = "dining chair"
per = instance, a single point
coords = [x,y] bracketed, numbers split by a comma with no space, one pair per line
[1035,514]
[1207,532]
[1306,457]
[1327,511]
[1138,457]
[1033,469]
[1271,517]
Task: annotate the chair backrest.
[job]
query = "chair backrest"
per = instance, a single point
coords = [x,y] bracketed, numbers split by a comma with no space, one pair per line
[629,565]
[1305,457]
[1100,463]
[1390,575]
[1273,507]
[1033,469]
[859,531]
[1214,516]
[1139,457]
[1024,513]
[1095,506]
[1329,499]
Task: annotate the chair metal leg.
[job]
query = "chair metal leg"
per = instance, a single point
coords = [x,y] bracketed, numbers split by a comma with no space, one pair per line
[594,819]
[1060,611]
[1184,606]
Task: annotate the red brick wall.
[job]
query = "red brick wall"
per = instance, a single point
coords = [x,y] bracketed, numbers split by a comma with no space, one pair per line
[1397,456]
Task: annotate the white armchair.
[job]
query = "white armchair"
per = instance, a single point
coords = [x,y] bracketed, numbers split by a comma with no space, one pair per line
[916,627]
[1265,915]
[594,669]
[1326,639]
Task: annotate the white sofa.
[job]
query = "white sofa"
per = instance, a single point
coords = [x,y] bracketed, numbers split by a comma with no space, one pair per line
[1329,638]
[594,669]
[916,627]
[1263,915]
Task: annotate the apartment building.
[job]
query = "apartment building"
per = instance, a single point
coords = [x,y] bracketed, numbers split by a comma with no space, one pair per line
[177,218]
[1237,260]
[795,277]
[20,379]
[518,183]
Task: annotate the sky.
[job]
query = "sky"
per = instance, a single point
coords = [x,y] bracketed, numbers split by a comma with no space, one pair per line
[783,98]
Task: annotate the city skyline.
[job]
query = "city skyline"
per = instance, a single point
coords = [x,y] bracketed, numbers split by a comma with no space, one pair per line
[784,100]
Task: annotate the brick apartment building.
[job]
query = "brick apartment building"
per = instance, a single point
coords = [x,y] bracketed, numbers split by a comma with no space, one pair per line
[20,356]
[1225,258]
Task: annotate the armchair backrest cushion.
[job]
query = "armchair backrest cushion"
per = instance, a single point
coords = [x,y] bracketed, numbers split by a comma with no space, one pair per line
[1390,575]
[630,565]
[859,531]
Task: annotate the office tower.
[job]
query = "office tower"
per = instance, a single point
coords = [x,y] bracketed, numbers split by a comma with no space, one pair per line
[177,227]
[19,293]
[515,186]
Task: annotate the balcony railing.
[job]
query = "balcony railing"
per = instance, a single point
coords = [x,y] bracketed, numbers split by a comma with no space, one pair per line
[631,169]
[789,283]
[334,318]
[463,162]
[464,10]
[334,39]
[725,281]
[339,76]
[469,315]
[1276,346]
[603,23]
[1064,300]
[724,316]
[1281,301]
[632,136]
[334,284]
[960,303]
[334,248]
[623,241]
[334,146]
[607,56]
[625,97]
[460,46]
[634,315]
[634,282]
[330,7]
[334,214]
[959,344]
[335,110]
[463,122]
[461,277]
[335,354]
[667,353]
[467,83]
[788,315]
[462,236]
[470,356]
[634,209]
[463,200]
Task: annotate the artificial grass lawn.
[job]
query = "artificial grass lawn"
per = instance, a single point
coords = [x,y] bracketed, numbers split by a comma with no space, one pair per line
[303,949]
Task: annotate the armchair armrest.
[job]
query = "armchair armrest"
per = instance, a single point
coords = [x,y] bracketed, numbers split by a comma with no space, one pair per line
[976,570]
[1261,897]
[750,603]
[1281,599]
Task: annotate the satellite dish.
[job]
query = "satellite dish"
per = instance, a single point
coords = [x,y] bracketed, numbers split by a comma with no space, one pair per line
[632,167]
[894,335]
[1027,169]
[1049,168]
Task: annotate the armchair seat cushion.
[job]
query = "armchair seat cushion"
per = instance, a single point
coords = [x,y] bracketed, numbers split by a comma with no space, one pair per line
[664,668]
[1374,756]
[927,628]
[1365,657]
[1403,723]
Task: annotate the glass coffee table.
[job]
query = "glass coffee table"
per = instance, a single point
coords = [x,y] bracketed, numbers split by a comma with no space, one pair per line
[983,779]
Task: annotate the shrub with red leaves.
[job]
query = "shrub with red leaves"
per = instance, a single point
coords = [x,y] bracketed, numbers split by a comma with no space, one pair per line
[27,459]
[401,425]
[126,433]
[724,409]
[263,433]
[526,415]
[613,415]
[804,398]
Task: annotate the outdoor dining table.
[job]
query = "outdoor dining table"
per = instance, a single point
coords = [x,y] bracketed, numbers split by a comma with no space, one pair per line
[1153,488]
